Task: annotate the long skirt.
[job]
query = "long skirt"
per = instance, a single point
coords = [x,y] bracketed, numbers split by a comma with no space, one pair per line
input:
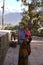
[23,55]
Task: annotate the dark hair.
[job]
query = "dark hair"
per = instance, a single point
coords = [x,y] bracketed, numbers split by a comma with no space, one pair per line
[22,23]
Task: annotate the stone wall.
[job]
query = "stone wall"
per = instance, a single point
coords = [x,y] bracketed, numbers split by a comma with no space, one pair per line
[4,44]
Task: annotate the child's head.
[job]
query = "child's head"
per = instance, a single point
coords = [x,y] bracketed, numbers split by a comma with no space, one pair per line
[28,32]
[21,25]
[28,27]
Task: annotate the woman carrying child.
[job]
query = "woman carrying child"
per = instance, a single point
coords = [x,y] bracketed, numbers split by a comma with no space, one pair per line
[23,50]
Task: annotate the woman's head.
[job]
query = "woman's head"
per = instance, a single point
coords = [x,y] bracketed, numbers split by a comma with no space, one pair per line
[22,26]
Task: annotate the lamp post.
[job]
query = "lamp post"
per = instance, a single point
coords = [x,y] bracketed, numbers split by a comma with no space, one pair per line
[3,15]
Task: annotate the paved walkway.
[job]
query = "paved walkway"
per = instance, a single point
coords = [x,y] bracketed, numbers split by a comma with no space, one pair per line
[36,57]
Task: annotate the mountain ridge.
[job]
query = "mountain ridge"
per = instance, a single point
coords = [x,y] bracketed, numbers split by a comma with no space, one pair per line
[12,17]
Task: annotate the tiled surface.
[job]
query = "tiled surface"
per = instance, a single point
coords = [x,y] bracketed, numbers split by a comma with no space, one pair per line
[36,57]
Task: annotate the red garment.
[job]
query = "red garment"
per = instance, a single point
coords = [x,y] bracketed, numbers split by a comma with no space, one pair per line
[28,33]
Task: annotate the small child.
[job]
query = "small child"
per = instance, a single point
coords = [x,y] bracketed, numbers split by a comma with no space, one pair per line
[28,40]
[28,35]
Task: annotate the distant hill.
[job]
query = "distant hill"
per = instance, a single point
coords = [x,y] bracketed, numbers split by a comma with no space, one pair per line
[12,18]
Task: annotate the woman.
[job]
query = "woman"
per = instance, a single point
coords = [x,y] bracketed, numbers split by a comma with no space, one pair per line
[23,53]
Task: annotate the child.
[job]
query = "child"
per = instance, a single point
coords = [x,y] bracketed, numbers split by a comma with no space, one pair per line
[28,40]
[28,35]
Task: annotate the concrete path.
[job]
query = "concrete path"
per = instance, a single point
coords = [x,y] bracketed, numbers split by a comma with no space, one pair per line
[36,57]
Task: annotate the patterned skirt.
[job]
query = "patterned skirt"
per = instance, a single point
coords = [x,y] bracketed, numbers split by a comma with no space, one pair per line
[23,55]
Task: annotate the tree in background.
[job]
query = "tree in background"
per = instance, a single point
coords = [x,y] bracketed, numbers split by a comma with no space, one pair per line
[33,16]
[11,27]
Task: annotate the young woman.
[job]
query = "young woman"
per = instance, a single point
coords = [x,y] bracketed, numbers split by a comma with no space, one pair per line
[23,53]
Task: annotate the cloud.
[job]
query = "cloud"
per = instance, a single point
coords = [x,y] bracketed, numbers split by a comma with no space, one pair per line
[9,9]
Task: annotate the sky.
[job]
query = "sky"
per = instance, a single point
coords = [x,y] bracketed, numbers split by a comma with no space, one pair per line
[13,6]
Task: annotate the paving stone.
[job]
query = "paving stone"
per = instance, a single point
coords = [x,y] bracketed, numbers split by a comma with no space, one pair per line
[36,57]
